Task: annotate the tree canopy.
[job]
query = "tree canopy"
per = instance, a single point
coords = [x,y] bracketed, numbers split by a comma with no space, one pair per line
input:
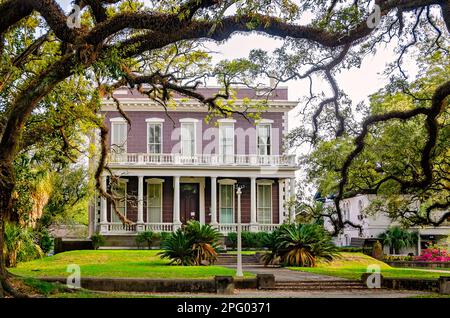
[55,67]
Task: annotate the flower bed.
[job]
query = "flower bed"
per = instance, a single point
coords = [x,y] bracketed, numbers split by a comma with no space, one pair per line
[433,254]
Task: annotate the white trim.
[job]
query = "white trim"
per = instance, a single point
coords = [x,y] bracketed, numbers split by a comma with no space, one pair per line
[226,120]
[264,181]
[194,123]
[188,120]
[154,181]
[144,104]
[154,120]
[161,132]
[160,183]
[270,137]
[271,201]
[224,124]
[229,183]
[265,121]
[118,119]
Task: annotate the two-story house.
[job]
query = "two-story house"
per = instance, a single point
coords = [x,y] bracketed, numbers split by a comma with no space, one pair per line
[176,166]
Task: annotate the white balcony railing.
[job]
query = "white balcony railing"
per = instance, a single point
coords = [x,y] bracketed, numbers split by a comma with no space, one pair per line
[205,160]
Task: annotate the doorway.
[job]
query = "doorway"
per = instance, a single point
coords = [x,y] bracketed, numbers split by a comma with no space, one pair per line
[189,202]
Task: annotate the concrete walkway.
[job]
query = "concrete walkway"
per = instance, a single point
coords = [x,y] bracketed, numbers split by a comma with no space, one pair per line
[284,274]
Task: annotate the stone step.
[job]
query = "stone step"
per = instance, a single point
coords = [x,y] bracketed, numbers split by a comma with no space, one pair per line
[319,285]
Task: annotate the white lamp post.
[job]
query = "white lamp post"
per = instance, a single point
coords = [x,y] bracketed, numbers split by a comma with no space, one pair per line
[239,272]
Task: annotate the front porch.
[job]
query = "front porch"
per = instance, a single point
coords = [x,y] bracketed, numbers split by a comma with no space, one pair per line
[165,203]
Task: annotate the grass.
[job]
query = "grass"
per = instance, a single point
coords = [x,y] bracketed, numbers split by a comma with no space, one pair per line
[353,265]
[117,263]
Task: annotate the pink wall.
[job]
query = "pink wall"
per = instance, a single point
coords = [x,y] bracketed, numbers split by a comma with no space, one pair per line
[207,133]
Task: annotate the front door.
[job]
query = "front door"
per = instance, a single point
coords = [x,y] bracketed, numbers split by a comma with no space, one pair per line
[189,202]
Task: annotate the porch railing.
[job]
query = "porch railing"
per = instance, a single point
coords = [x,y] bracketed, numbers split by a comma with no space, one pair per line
[158,227]
[119,228]
[202,159]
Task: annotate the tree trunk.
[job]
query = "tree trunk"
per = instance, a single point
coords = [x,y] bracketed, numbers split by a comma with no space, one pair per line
[3,272]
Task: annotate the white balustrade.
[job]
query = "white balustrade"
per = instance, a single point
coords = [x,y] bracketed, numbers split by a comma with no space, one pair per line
[203,159]
[158,227]
[119,228]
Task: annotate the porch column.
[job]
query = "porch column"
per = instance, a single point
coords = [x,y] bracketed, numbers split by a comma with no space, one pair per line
[176,203]
[253,221]
[280,201]
[140,207]
[213,201]
[103,210]
[292,200]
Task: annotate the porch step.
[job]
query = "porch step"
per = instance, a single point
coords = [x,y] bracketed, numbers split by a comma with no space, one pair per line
[319,285]
[231,259]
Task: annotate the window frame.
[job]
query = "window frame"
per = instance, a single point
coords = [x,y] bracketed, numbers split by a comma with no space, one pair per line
[113,213]
[116,122]
[264,183]
[193,122]
[231,183]
[160,182]
[222,124]
[155,121]
[268,146]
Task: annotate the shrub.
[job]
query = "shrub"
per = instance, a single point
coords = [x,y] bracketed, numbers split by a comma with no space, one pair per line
[147,237]
[397,238]
[249,239]
[164,236]
[433,253]
[45,241]
[97,240]
[20,245]
[178,249]
[232,239]
[195,244]
[300,245]
[393,258]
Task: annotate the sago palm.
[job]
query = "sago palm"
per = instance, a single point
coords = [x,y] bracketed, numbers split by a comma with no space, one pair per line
[204,240]
[178,249]
[302,244]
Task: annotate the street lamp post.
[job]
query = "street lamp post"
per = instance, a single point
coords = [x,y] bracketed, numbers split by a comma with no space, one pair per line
[239,272]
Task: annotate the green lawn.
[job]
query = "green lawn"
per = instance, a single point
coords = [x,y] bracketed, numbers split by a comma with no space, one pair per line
[117,263]
[352,265]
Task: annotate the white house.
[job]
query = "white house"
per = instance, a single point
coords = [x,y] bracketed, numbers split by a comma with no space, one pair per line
[352,209]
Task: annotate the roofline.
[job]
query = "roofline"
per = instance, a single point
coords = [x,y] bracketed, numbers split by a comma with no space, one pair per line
[182,102]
